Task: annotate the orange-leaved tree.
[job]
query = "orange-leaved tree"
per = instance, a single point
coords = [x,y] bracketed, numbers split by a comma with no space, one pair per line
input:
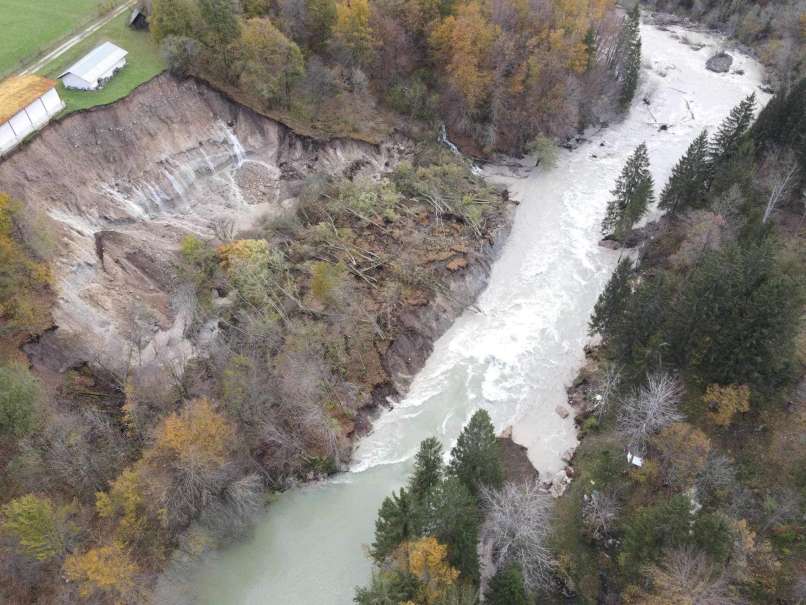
[462,45]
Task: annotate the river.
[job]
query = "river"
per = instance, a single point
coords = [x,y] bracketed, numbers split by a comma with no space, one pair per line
[514,356]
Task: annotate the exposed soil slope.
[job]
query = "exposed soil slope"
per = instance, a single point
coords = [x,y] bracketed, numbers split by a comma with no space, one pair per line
[125,183]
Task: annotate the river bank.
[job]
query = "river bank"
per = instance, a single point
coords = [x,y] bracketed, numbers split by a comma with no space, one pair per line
[513,354]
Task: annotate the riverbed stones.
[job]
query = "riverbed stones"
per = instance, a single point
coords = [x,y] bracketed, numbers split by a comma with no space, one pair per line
[719,63]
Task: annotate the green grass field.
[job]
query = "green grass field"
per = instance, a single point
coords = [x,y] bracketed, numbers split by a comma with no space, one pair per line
[33,26]
[143,63]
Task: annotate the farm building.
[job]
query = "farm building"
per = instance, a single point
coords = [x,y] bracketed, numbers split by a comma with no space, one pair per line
[26,104]
[140,15]
[98,66]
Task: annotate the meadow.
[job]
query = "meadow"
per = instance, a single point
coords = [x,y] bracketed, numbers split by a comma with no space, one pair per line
[143,63]
[32,26]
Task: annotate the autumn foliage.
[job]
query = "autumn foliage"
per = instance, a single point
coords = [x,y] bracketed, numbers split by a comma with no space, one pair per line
[426,560]
[724,402]
[106,570]
[24,280]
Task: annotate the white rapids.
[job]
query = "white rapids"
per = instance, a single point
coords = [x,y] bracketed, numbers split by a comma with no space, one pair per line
[514,357]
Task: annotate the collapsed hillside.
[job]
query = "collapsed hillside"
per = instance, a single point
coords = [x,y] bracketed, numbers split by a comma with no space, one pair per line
[124,183]
[232,300]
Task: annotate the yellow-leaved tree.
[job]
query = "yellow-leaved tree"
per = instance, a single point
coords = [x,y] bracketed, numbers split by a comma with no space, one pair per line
[24,281]
[188,463]
[426,559]
[105,570]
[198,433]
[462,45]
[353,32]
[724,402]
[683,450]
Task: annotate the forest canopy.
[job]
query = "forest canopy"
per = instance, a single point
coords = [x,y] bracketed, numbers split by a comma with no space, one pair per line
[499,73]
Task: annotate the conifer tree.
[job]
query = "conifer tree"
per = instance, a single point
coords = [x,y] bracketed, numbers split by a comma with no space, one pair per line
[396,523]
[631,44]
[735,320]
[475,459]
[689,181]
[451,514]
[632,195]
[613,300]
[506,588]
[727,138]
[428,468]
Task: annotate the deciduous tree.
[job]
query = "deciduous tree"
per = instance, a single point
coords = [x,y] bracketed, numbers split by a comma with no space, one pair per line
[221,22]
[683,450]
[104,570]
[272,64]
[19,395]
[462,44]
[426,560]
[174,18]
[41,528]
[352,31]
[687,576]
[517,528]
[650,408]
[724,402]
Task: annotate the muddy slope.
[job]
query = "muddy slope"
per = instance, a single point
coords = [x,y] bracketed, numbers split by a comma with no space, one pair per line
[124,184]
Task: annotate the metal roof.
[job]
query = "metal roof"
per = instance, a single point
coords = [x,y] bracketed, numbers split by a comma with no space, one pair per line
[97,62]
[18,92]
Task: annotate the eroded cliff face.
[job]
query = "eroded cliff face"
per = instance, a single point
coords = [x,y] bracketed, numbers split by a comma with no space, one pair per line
[124,184]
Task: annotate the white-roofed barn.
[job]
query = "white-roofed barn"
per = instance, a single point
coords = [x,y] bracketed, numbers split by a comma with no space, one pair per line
[98,66]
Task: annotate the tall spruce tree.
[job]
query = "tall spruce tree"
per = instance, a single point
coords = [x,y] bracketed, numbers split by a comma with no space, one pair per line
[506,588]
[632,195]
[735,318]
[613,300]
[688,184]
[727,138]
[397,522]
[450,513]
[783,122]
[631,67]
[475,460]
[428,468]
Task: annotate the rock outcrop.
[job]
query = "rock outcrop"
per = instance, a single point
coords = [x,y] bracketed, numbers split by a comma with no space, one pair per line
[719,63]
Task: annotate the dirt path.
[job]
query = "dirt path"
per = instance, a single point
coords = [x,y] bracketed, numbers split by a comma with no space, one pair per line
[67,45]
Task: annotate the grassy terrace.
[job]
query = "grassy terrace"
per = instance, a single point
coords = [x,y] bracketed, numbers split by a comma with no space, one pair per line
[31,27]
[143,63]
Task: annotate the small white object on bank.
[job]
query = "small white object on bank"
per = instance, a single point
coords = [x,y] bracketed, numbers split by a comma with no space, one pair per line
[635,460]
